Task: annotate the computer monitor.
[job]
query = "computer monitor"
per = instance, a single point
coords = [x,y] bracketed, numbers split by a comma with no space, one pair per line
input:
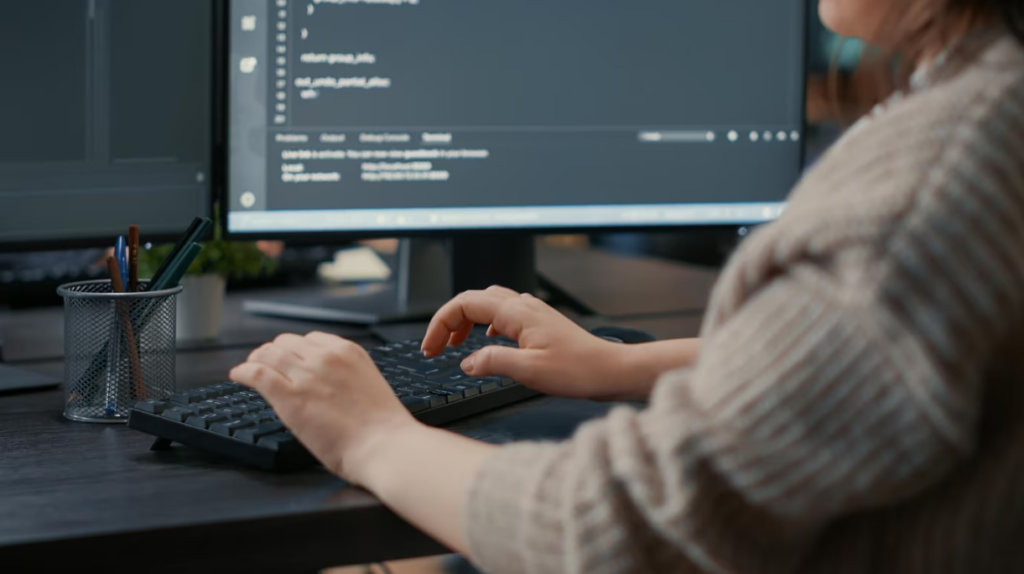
[107,111]
[107,120]
[470,119]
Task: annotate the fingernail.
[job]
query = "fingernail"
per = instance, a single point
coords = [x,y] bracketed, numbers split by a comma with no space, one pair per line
[467,365]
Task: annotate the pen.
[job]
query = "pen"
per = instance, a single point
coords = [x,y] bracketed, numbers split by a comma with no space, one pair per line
[133,258]
[117,286]
[113,347]
[121,252]
[195,232]
[172,277]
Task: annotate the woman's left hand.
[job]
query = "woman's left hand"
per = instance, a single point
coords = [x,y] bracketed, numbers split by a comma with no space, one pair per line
[329,394]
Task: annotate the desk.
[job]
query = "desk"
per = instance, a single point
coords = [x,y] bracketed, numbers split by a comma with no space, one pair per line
[75,495]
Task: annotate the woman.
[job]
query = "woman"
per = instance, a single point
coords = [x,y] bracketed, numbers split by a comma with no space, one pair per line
[856,403]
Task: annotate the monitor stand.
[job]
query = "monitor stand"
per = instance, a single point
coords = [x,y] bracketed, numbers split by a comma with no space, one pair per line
[428,273]
[16,380]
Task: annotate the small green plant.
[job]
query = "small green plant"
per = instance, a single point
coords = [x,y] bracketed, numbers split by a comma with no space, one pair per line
[225,258]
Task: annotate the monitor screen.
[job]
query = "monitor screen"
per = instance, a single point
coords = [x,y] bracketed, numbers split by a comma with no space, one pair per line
[374,116]
[107,119]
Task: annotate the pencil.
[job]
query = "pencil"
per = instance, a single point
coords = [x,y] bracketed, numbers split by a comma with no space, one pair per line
[133,351]
[133,258]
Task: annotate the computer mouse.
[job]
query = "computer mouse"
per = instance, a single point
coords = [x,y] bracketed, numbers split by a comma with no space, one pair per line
[624,335]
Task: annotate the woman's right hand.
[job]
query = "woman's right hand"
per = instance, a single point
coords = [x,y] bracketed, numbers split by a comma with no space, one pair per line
[555,356]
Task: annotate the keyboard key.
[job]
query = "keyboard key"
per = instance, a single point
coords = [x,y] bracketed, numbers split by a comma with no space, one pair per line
[453,389]
[507,382]
[233,387]
[187,397]
[252,435]
[229,428]
[490,384]
[204,408]
[268,413]
[468,390]
[259,418]
[177,414]
[252,407]
[220,389]
[231,412]
[279,441]
[448,396]
[151,406]
[454,378]
[204,421]
[416,404]
[435,400]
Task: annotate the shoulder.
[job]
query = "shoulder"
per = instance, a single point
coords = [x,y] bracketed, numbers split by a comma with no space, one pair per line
[938,175]
[922,157]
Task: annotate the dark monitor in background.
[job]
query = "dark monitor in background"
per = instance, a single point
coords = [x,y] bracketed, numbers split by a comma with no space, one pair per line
[468,119]
[107,119]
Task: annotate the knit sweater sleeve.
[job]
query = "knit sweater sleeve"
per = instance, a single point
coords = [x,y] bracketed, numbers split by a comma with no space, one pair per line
[809,403]
[843,370]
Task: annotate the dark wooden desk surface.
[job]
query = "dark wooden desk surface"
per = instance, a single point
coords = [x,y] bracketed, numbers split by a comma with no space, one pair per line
[75,494]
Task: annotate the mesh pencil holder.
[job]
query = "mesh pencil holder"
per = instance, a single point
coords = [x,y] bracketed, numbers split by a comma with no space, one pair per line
[118,349]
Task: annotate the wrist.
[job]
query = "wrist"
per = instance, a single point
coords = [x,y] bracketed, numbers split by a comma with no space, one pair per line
[366,460]
[620,379]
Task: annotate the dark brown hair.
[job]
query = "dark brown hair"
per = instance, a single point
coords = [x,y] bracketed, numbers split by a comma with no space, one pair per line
[880,74]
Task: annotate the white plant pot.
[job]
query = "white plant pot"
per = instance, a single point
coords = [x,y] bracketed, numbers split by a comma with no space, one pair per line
[199,307]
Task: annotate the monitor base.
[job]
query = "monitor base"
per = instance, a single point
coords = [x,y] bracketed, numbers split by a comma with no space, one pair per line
[429,272]
[16,380]
[378,307]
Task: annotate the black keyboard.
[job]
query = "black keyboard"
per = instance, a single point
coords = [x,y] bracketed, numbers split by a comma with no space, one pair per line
[234,421]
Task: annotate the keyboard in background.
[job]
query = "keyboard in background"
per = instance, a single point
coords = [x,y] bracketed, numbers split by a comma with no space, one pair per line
[235,422]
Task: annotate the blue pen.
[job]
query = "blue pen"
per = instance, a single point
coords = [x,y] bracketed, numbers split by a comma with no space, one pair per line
[121,254]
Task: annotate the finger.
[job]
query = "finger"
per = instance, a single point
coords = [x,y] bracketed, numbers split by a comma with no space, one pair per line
[491,331]
[336,351]
[480,307]
[324,339]
[278,358]
[518,364]
[502,290]
[334,343]
[294,343]
[267,381]
[459,337]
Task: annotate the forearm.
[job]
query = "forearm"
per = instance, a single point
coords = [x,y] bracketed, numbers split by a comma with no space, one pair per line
[424,474]
[643,364]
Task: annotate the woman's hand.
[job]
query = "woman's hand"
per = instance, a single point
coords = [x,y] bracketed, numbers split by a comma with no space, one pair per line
[555,356]
[328,392]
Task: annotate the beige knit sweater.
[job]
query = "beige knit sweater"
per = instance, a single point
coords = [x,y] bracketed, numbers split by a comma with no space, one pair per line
[859,402]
